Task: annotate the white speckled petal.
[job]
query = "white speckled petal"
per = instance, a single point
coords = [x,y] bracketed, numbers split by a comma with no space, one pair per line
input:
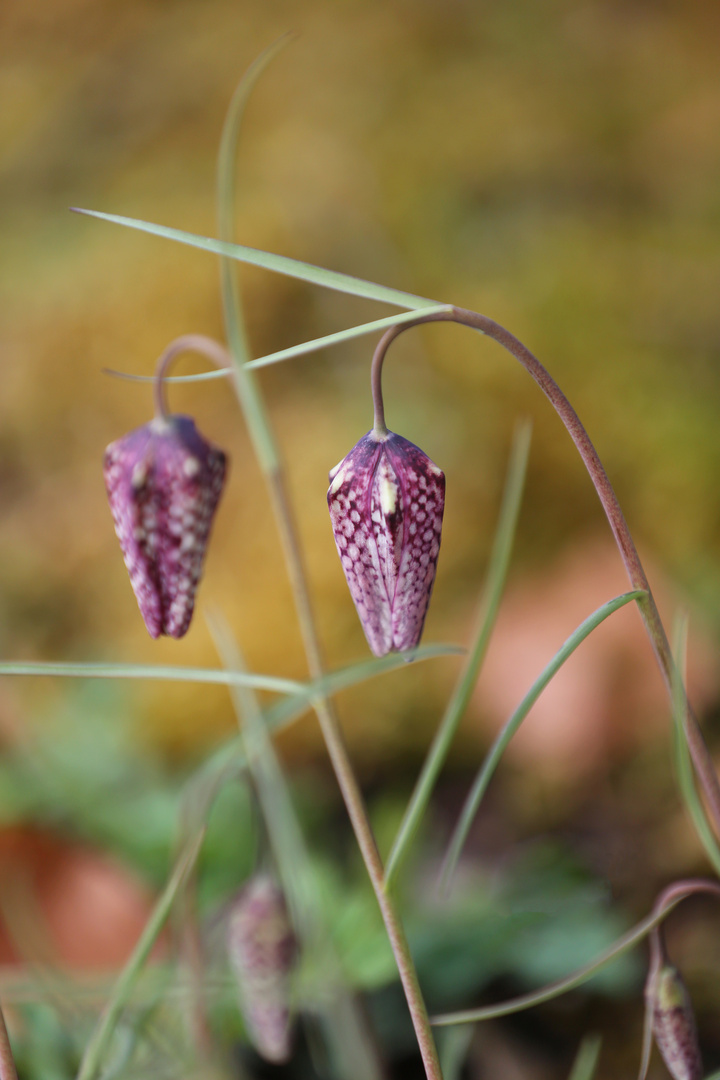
[164,482]
[386,501]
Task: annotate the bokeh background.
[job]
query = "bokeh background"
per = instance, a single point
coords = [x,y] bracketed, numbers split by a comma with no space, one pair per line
[556,166]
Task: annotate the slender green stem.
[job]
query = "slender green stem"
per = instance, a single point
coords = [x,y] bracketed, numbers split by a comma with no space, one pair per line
[214,352]
[269,459]
[587,1058]
[171,672]
[701,757]
[100,1040]
[667,901]
[7,1061]
[511,726]
[683,764]
[490,603]
[346,1032]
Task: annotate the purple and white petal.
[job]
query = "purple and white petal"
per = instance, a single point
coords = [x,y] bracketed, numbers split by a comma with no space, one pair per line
[386,501]
[164,482]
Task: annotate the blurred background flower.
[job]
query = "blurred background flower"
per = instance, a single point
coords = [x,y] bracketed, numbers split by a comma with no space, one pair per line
[556,167]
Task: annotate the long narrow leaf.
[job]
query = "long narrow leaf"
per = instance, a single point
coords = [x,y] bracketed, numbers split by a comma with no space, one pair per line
[345,1031]
[345,335]
[173,673]
[489,606]
[100,1039]
[305,347]
[331,683]
[561,986]
[453,1050]
[279,264]
[511,726]
[291,708]
[587,1058]
[683,763]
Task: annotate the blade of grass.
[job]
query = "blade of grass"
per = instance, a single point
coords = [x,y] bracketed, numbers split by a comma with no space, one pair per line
[511,726]
[490,603]
[170,672]
[647,1041]
[587,1058]
[555,989]
[327,686]
[346,1034]
[315,345]
[279,264]
[265,447]
[340,336]
[297,691]
[454,1048]
[683,763]
[100,1039]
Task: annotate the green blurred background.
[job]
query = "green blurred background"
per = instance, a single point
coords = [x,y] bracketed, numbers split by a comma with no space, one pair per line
[556,166]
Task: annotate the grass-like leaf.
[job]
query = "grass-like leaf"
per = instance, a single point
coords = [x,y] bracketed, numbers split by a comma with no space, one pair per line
[683,762]
[511,726]
[291,708]
[453,1049]
[555,989]
[345,335]
[587,1058]
[279,264]
[345,1032]
[100,1039]
[305,347]
[297,691]
[170,672]
[489,606]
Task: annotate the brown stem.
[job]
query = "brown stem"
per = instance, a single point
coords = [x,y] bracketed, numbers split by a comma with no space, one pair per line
[213,350]
[647,606]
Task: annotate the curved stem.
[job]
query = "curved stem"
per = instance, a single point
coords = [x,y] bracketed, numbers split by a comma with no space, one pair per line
[379,426]
[668,899]
[646,604]
[213,350]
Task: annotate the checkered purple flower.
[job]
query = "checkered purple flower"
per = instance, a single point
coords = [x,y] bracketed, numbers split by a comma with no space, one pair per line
[164,481]
[386,501]
[673,1025]
[263,949]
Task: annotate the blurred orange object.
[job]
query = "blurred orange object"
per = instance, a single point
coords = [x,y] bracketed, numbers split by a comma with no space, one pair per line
[64,903]
[609,695]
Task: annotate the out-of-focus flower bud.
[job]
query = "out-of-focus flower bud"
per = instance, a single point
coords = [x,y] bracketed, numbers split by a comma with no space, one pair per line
[673,1024]
[263,949]
[386,501]
[164,481]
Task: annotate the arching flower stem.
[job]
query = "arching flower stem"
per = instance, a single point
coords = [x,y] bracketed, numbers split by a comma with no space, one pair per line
[212,350]
[648,608]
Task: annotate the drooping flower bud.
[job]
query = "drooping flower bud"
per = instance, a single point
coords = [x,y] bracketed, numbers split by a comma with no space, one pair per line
[673,1025]
[263,949]
[164,481]
[386,501]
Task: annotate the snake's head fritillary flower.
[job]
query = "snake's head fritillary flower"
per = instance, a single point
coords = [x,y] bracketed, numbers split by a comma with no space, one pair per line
[673,1024]
[164,481]
[386,501]
[263,949]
